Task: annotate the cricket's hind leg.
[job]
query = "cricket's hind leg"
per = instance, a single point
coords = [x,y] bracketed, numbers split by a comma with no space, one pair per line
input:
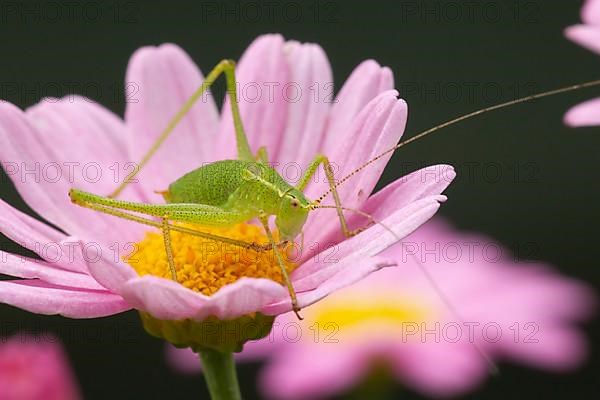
[115,208]
[226,67]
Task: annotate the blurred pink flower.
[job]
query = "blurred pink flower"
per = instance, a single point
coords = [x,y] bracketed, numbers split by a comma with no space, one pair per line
[35,368]
[73,142]
[512,311]
[588,36]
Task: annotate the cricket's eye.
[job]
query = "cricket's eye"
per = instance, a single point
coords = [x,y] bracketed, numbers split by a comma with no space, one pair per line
[295,203]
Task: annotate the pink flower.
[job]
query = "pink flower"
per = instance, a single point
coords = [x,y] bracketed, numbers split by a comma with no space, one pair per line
[73,142]
[35,368]
[395,318]
[588,36]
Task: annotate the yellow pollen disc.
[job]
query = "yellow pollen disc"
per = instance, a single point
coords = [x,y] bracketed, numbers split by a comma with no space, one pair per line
[206,265]
[358,314]
[355,313]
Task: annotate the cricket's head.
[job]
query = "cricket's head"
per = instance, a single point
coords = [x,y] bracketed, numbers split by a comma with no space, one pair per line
[293,211]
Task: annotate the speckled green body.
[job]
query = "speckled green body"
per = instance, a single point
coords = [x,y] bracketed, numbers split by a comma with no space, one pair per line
[229,184]
[243,188]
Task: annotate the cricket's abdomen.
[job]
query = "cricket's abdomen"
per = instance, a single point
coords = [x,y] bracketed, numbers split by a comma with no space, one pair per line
[210,184]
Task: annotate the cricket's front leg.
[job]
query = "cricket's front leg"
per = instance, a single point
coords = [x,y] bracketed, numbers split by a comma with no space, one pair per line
[320,159]
[264,219]
[226,67]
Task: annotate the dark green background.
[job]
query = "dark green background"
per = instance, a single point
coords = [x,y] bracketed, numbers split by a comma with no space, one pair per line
[550,209]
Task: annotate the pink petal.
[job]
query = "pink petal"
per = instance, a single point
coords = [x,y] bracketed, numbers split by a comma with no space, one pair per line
[35,368]
[24,230]
[308,101]
[428,181]
[590,12]
[587,36]
[418,192]
[343,273]
[23,267]
[422,184]
[439,369]
[54,247]
[584,114]
[557,348]
[261,74]
[347,276]
[544,304]
[42,298]
[366,82]
[521,293]
[67,143]
[377,139]
[159,80]
[325,371]
[169,300]
[377,128]
[329,263]
[108,269]
[376,238]
[505,293]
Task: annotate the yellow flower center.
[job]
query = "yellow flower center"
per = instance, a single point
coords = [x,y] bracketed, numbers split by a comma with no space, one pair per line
[206,265]
[353,315]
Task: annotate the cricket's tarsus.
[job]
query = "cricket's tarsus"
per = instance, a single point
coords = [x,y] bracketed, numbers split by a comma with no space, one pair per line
[228,192]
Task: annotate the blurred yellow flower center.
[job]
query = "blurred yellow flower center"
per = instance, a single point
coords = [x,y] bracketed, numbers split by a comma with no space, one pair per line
[206,265]
[344,313]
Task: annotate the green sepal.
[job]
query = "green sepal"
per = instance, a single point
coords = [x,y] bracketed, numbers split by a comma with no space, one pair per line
[225,336]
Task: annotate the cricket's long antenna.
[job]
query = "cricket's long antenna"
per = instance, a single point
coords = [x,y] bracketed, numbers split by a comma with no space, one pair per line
[493,368]
[462,118]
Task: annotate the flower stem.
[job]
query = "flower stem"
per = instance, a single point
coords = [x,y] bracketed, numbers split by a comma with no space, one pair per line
[220,374]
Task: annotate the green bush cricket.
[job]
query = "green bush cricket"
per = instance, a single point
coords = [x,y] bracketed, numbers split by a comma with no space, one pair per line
[225,192]
[229,192]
